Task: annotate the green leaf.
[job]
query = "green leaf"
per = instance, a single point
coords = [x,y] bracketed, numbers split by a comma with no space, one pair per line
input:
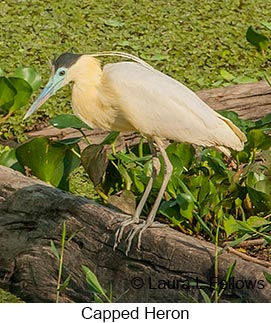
[237,241]
[65,283]
[205,296]
[2,73]
[226,75]
[258,139]
[216,164]
[24,92]
[256,221]
[171,210]
[68,121]
[267,276]
[54,249]
[7,94]
[239,122]
[69,141]
[71,161]
[230,271]
[110,138]
[94,161]
[266,24]
[180,155]
[125,175]
[264,122]
[186,204]
[30,76]
[260,200]
[242,79]
[92,281]
[126,43]
[112,22]
[44,157]
[8,159]
[257,39]
[231,226]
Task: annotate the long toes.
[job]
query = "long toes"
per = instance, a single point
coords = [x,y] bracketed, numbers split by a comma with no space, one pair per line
[140,235]
[120,231]
[119,220]
[131,235]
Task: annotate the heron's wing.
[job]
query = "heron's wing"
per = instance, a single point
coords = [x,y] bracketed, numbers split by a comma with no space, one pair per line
[157,105]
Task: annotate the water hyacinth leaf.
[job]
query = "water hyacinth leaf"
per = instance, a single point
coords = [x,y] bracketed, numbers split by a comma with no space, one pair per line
[186,205]
[253,178]
[260,41]
[231,226]
[30,76]
[2,73]
[234,117]
[260,200]
[44,158]
[8,158]
[68,121]
[266,24]
[110,138]
[242,156]
[257,139]
[112,22]
[125,175]
[204,188]
[216,164]
[92,281]
[226,75]
[264,186]
[138,184]
[126,43]
[95,161]
[242,79]
[256,221]
[180,155]
[171,210]
[69,141]
[71,161]
[24,92]
[264,122]
[7,94]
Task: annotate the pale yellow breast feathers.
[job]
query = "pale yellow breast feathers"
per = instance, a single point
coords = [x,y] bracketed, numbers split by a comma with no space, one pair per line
[93,97]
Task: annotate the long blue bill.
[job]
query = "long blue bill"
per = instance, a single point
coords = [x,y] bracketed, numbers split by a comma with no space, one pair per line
[51,87]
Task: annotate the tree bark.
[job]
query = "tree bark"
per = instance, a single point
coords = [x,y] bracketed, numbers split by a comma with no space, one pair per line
[167,266]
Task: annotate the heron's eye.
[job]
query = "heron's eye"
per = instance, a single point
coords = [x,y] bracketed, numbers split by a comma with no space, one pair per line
[61,73]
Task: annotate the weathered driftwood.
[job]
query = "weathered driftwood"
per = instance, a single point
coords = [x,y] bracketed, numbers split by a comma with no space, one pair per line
[32,213]
[251,101]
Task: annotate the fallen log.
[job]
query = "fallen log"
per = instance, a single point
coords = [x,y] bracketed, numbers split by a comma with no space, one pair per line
[169,267]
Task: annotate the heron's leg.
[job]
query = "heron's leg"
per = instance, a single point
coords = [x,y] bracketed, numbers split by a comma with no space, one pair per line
[150,219]
[135,218]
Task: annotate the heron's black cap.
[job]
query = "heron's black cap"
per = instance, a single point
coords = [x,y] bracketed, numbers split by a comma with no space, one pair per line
[65,60]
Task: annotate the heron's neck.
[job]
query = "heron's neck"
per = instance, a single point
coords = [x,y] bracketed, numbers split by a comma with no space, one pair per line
[87,101]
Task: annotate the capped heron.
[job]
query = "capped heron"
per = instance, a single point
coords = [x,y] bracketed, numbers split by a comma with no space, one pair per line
[133,96]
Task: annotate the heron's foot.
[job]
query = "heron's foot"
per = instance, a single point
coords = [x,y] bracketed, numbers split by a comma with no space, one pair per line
[120,220]
[123,225]
[140,228]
